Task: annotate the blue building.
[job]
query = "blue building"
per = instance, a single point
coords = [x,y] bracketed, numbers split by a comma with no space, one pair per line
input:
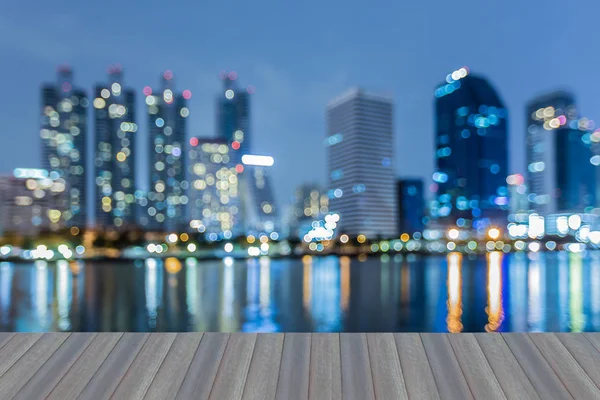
[471,152]
[114,161]
[167,121]
[233,116]
[411,205]
[63,138]
[561,166]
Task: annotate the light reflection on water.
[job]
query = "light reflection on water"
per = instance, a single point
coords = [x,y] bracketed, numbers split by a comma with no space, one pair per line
[499,292]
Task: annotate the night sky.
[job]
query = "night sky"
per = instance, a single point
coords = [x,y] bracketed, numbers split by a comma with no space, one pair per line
[299,55]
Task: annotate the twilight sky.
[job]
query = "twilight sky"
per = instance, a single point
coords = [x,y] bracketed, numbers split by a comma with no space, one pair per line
[299,55]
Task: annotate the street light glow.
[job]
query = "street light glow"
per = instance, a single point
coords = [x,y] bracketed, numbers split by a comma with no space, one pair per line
[262,161]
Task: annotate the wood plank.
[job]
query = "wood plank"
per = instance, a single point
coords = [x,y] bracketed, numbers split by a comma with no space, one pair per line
[416,370]
[388,381]
[294,371]
[172,372]
[584,352]
[506,368]
[231,377]
[46,378]
[110,373]
[325,367]
[82,371]
[357,381]
[12,351]
[203,369]
[541,376]
[594,338]
[5,338]
[263,375]
[21,372]
[140,374]
[577,382]
[449,378]
[477,371]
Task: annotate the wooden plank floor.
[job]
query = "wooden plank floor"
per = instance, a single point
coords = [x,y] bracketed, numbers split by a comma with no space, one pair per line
[299,366]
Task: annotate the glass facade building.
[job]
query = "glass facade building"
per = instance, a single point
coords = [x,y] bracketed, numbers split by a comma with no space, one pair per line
[233,116]
[213,209]
[310,203]
[114,161]
[360,164]
[561,166]
[30,202]
[411,205]
[167,121]
[261,215]
[63,142]
[471,153]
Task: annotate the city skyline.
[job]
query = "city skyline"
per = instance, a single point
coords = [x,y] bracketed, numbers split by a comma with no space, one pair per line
[289,101]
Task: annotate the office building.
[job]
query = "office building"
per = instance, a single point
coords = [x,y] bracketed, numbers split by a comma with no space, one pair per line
[260,212]
[167,121]
[115,154]
[233,116]
[471,153]
[411,205]
[561,167]
[31,202]
[360,164]
[213,192]
[310,203]
[63,138]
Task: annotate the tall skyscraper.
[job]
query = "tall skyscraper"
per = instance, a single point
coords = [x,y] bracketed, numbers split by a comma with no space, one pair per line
[471,152]
[411,205]
[560,170]
[63,137]
[115,128]
[213,193]
[233,115]
[360,153]
[167,113]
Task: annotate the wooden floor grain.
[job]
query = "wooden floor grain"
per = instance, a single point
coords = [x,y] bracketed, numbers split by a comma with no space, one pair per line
[357,378]
[515,383]
[388,382]
[294,370]
[173,369]
[263,374]
[448,375]
[304,366]
[325,367]
[416,370]
[541,375]
[114,367]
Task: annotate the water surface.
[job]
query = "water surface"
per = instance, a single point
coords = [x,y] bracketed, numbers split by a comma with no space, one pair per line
[498,292]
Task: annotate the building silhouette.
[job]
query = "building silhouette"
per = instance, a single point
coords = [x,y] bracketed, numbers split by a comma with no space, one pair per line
[115,153]
[167,112]
[411,205]
[30,202]
[213,192]
[233,116]
[360,164]
[471,153]
[560,172]
[63,142]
